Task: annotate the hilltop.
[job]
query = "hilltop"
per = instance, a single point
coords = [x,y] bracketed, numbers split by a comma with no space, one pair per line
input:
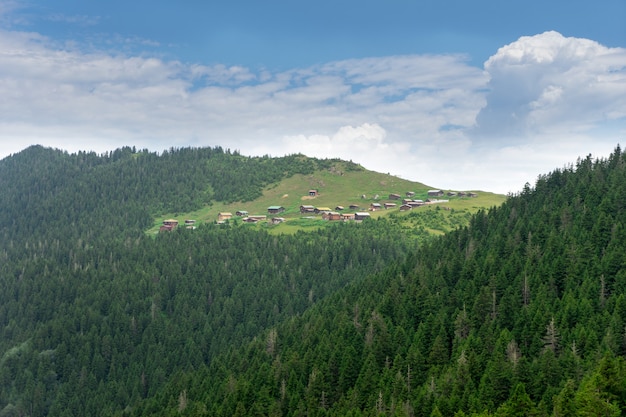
[340,186]
[129,191]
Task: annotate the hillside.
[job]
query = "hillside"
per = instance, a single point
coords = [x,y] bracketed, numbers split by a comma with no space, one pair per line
[127,188]
[97,316]
[337,183]
[85,194]
[523,312]
[516,309]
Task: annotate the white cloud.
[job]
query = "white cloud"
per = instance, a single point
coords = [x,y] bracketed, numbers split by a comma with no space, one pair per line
[434,119]
[357,143]
[552,84]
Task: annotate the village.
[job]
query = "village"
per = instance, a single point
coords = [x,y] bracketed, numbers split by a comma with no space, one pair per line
[354,212]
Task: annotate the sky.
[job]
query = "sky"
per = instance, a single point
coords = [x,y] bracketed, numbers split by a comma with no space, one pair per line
[482,95]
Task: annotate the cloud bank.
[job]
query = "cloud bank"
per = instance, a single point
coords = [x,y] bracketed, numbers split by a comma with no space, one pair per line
[538,103]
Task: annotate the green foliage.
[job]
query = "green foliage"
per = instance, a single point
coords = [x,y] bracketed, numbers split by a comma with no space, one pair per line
[518,306]
[523,311]
[85,194]
[97,324]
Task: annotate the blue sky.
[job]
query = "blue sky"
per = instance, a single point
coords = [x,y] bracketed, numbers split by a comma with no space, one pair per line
[455,94]
[289,33]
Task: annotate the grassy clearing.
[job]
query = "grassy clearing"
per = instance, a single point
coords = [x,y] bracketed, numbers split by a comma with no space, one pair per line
[336,187]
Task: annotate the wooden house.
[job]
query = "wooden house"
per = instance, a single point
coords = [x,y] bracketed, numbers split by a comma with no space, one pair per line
[375,206]
[277,220]
[435,193]
[255,218]
[319,210]
[405,207]
[347,216]
[331,215]
[241,213]
[354,207]
[390,205]
[275,209]
[361,216]
[394,197]
[222,216]
[313,193]
[307,209]
[410,194]
[258,217]
[170,223]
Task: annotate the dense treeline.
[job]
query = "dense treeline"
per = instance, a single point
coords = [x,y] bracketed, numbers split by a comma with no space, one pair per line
[46,192]
[90,328]
[521,313]
[95,315]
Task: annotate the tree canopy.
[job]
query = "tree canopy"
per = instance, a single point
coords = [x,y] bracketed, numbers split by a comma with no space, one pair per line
[523,311]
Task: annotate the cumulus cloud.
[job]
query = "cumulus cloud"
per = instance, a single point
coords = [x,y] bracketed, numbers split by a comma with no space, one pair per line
[429,118]
[366,144]
[552,84]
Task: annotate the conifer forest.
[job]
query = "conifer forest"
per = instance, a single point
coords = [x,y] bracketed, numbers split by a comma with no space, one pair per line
[519,312]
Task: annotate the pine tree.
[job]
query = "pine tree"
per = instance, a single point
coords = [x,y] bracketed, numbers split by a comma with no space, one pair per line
[519,404]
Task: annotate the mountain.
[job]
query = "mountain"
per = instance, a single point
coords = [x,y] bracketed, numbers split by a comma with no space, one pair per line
[523,312]
[518,309]
[98,316]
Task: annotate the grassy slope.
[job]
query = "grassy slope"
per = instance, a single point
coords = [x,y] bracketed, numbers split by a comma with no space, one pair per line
[335,187]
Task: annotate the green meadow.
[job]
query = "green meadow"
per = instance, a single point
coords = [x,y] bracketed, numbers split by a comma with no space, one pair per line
[338,186]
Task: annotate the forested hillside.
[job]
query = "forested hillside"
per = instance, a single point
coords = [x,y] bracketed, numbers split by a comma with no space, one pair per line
[521,313]
[46,192]
[96,315]
[92,328]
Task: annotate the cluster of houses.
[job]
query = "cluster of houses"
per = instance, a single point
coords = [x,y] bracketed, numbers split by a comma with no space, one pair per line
[171,224]
[356,212]
[336,214]
[326,212]
[245,217]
